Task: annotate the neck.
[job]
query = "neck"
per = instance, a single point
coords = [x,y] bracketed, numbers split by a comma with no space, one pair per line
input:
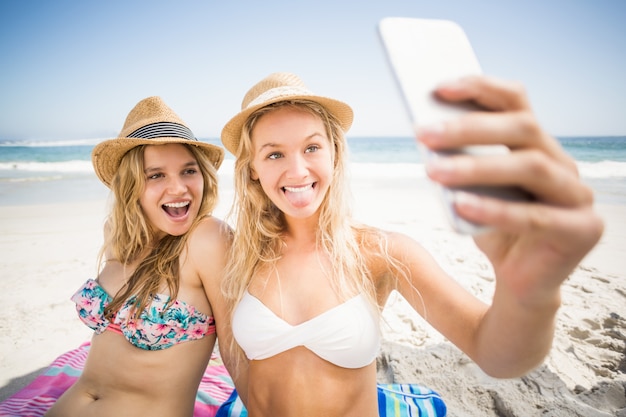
[301,231]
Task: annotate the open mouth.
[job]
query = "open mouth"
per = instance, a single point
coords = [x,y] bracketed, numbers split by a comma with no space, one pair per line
[176,209]
[300,189]
[300,196]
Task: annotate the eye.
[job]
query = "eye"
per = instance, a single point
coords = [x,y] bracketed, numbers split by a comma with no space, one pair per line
[312,148]
[275,155]
[155,176]
[190,171]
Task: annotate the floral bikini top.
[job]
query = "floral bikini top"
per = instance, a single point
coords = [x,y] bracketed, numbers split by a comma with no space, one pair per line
[156,328]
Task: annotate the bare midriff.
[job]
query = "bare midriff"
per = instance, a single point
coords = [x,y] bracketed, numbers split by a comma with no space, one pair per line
[299,383]
[118,376]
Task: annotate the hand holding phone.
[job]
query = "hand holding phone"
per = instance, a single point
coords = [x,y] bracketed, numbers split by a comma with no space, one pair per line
[423,54]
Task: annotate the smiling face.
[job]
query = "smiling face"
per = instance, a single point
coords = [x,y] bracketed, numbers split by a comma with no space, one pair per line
[292,160]
[173,188]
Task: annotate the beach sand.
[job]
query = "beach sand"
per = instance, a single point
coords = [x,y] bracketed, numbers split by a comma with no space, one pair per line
[49,250]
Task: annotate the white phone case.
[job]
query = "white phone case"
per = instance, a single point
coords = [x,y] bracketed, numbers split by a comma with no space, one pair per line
[422,54]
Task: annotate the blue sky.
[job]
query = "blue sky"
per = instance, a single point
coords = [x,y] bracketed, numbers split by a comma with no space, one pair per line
[74,69]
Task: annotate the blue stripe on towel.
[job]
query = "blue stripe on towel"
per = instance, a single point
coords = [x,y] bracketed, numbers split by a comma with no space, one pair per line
[232,407]
[409,400]
[394,400]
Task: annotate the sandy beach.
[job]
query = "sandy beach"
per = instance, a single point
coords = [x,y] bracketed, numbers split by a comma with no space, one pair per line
[49,250]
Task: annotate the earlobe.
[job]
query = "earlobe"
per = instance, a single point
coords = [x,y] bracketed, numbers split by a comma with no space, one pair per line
[253,175]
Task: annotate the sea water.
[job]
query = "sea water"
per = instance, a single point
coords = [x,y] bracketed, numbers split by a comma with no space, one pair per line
[41,172]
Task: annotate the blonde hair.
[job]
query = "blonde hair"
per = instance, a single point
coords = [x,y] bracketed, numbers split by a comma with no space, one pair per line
[259,223]
[129,235]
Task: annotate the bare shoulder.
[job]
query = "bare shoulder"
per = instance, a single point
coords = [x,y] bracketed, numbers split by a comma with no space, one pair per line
[401,245]
[210,232]
[383,245]
[418,261]
[208,245]
[398,261]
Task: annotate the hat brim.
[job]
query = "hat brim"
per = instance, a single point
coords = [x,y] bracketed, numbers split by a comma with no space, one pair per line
[106,156]
[231,133]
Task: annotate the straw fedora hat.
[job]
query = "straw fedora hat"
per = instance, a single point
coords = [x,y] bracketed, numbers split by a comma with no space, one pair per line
[150,122]
[279,86]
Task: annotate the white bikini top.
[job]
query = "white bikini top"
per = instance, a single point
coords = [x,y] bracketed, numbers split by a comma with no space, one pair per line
[347,335]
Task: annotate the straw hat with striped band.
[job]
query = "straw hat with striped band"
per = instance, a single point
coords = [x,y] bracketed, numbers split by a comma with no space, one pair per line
[150,122]
[279,86]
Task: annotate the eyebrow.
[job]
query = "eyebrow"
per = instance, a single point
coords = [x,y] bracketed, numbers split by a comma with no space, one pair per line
[274,145]
[157,169]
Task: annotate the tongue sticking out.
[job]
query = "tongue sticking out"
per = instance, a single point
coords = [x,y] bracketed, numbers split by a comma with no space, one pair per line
[299,196]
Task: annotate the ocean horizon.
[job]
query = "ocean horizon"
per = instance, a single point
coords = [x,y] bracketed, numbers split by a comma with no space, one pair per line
[34,172]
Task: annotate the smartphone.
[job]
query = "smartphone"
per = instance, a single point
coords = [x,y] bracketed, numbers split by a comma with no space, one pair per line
[422,54]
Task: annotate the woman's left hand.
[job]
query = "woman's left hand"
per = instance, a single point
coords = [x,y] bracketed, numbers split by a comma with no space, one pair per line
[532,245]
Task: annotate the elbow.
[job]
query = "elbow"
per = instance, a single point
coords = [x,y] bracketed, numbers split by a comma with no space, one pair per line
[513,366]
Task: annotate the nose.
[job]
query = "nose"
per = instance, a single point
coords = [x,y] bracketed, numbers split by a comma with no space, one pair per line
[298,167]
[176,185]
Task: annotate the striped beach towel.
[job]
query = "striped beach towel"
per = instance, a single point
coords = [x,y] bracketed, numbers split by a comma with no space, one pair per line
[409,400]
[394,400]
[37,397]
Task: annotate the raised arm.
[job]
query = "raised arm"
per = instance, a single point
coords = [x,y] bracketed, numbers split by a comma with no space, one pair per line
[533,246]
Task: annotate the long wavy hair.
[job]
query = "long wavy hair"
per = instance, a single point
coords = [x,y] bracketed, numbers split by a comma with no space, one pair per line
[131,238]
[259,223]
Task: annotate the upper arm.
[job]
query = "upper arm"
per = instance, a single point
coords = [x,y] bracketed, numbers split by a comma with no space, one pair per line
[434,294]
[208,248]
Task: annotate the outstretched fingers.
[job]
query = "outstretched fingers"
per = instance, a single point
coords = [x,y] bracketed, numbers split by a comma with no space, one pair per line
[490,93]
[560,213]
[507,120]
[560,223]
[531,170]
